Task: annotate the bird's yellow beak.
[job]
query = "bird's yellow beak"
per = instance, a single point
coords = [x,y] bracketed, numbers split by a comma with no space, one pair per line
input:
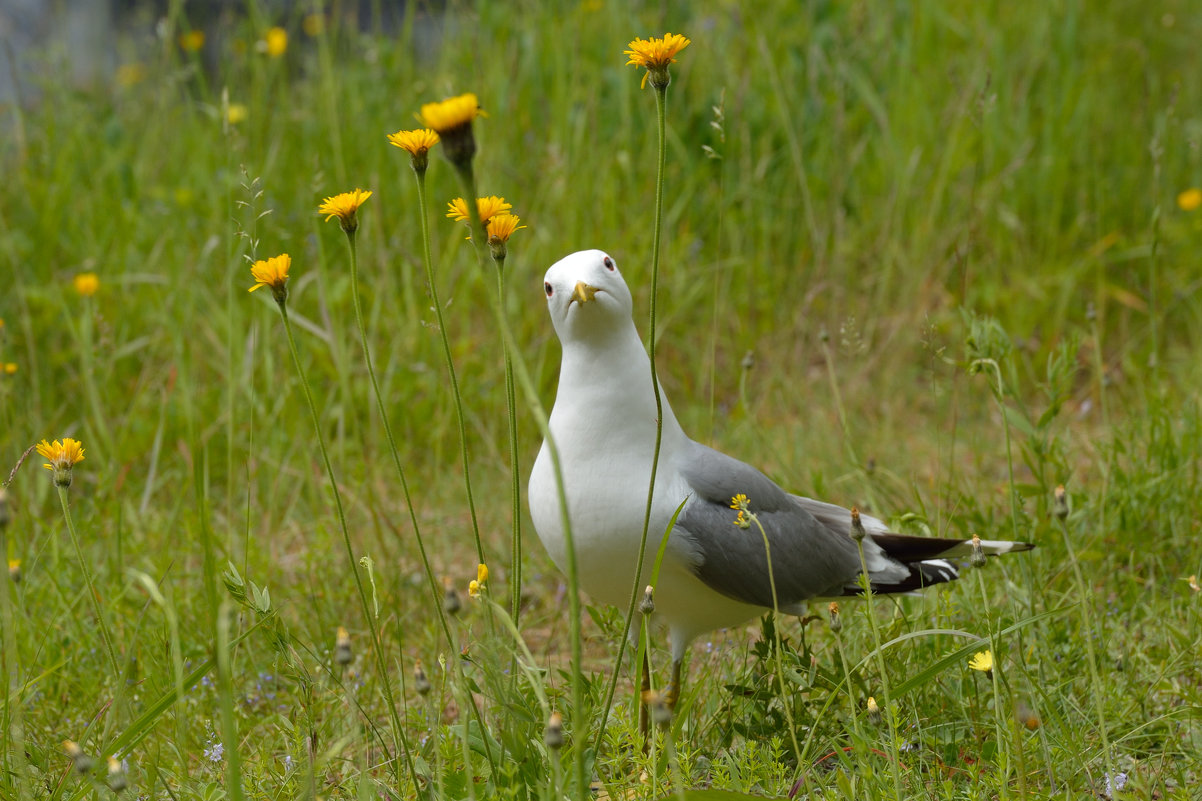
[583,292]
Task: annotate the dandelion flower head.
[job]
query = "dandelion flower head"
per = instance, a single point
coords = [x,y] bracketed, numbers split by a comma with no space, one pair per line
[87,284]
[450,114]
[1190,199]
[62,455]
[488,207]
[344,206]
[656,54]
[416,142]
[501,226]
[275,42]
[271,272]
[982,661]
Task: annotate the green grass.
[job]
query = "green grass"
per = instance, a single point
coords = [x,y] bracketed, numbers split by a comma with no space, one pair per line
[948,235]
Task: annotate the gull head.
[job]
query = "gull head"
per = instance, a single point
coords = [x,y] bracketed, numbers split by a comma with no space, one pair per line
[586,295]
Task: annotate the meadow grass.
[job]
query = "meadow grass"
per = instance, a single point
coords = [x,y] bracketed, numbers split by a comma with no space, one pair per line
[930,259]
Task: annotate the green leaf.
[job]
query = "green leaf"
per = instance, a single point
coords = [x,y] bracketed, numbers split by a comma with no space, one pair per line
[716,795]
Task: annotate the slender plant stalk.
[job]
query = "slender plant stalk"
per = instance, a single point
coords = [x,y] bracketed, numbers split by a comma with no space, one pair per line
[392,447]
[13,723]
[661,100]
[886,691]
[225,700]
[999,716]
[446,352]
[398,731]
[105,635]
[515,481]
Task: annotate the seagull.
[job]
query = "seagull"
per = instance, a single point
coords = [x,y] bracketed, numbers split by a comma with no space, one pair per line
[714,572]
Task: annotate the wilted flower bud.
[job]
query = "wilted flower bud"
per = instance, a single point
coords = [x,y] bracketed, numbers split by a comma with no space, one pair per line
[978,558]
[647,606]
[874,711]
[553,736]
[83,762]
[117,778]
[836,621]
[857,528]
[342,648]
[1060,503]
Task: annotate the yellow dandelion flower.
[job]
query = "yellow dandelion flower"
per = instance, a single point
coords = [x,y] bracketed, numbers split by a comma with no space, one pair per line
[275,42]
[14,569]
[501,227]
[192,41]
[448,115]
[417,143]
[488,207]
[313,24]
[1190,199]
[272,273]
[87,284]
[63,456]
[739,501]
[655,55]
[452,119]
[236,113]
[1192,580]
[982,661]
[10,368]
[345,207]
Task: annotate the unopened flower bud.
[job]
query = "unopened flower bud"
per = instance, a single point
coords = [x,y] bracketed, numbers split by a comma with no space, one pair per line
[836,620]
[978,558]
[117,778]
[857,528]
[83,762]
[647,606]
[874,711]
[553,735]
[420,682]
[1060,503]
[342,648]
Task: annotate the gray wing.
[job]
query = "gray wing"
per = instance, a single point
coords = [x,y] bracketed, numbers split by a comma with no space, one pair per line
[810,557]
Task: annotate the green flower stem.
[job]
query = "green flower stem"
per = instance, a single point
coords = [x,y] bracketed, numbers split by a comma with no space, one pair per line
[92,597]
[398,731]
[999,716]
[515,489]
[785,695]
[13,723]
[886,692]
[1087,618]
[541,418]
[661,100]
[467,481]
[435,593]
[446,351]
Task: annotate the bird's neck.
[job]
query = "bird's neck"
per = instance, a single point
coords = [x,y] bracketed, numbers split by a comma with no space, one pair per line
[614,373]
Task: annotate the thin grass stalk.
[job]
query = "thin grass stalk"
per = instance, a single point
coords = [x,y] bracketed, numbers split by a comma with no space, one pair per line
[446,352]
[398,732]
[105,635]
[225,702]
[515,485]
[999,716]
[1087,619]
[392,446]
[780,664]
[886,690]
[541,418]
[661,100]
[14,761]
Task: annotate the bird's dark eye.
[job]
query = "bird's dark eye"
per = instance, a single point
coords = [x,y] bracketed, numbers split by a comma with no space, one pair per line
[547,287]
[609,264]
